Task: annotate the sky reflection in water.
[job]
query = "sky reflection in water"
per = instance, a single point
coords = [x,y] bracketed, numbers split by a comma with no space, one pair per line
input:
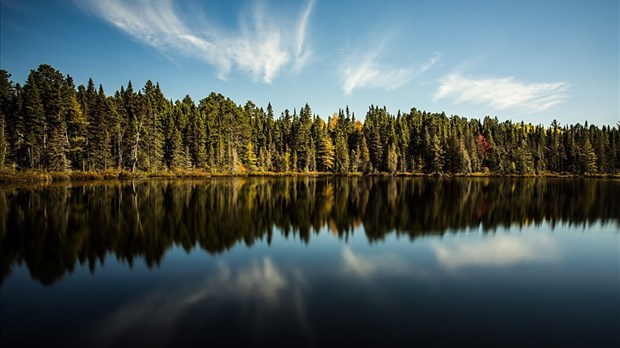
[476,282]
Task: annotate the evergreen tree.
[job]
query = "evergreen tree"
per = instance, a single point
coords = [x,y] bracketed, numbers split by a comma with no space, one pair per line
[196,134]
[36,124]
[77,128]
[587,158]
[326,152]
[392,159]
[365,165]
[250,158]
[99,144]
[6,100]
[436,155]
[155,104]
[341,155]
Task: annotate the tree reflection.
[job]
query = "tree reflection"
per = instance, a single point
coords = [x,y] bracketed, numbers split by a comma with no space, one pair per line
[51,229]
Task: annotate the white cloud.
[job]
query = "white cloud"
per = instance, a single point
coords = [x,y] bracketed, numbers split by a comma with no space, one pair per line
[496,251]
[262,46]
[365,72]
[502,93]
[302,55]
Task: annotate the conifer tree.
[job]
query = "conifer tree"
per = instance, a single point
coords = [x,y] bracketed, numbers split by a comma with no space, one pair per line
[77,128]
[392,159]
[326,152]
[250,158]
[365,164]
[35,122]
[6,99]
[436,155]
[341,155]
[587,158]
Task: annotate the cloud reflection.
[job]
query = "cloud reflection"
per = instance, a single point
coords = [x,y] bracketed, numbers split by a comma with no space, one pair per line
[259,289]
[498,250]
[364,266]
[258,282]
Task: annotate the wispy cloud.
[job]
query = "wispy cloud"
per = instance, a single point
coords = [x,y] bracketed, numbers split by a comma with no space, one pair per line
[502,93]
[261,47]
[302,55]
[366,72]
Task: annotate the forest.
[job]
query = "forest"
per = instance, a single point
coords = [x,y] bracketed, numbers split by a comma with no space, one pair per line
[50,125]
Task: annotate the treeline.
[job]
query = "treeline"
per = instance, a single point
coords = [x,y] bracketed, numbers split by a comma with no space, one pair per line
[55,228]
[49,124]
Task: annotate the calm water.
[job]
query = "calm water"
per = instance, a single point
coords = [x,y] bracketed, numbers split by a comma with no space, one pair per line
[312,262]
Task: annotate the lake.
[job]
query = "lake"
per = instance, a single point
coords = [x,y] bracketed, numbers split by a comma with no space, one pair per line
[311,262]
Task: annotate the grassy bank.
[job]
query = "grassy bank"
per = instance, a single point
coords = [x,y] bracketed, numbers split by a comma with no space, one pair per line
[36,176]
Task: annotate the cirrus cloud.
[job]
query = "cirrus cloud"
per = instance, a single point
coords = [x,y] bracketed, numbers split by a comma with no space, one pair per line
[261,47]
[366,72]
[502,93]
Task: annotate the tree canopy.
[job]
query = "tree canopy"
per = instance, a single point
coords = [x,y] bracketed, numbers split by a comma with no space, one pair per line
[50,124]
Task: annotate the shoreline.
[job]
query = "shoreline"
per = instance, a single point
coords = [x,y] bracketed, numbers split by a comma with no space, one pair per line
[9,176]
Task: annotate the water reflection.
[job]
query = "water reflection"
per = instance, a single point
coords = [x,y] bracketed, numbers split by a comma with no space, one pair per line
[51,229]
[496,251]
[364,267]
[249,295]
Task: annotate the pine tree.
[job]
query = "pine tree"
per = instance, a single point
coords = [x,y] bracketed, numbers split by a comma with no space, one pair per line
[392,159]
[466,166]
[524,159]
[156,104]
[365,164]
[436,155]
[179,157]
[36,124]
[52,88]
[99,144]
[355,160]
[587,158]
[341,155]
[326,152]
[77,128]
[312,156]
[250,158]
[6,101]
[285,161]
[196,133]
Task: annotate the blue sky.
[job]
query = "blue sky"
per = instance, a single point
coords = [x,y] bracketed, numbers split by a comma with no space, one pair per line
[522,60]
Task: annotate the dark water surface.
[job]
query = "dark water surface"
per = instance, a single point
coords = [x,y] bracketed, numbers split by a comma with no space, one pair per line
[312,262]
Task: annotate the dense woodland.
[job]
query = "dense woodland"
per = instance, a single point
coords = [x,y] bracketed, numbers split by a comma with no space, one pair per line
[49,124]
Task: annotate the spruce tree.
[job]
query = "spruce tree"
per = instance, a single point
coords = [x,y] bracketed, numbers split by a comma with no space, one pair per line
[250,158]
[77,128]
[365,164]
[436,155]
[6,101]
[99,144]
[587,158]
[341,157]
[392,159]
[326,152]
[36,124]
